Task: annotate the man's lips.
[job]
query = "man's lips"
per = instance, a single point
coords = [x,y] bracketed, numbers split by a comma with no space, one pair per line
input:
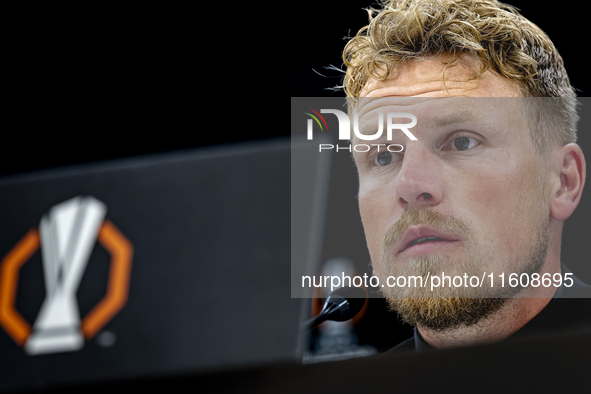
[421,235]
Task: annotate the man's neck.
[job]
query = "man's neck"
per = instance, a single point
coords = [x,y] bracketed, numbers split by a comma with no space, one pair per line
[515,313]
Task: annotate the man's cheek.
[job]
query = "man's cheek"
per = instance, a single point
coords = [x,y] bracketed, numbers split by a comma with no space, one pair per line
[372,215]
[492,195]
[501,218]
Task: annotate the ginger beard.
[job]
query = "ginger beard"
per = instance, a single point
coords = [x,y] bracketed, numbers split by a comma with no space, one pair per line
[453,307]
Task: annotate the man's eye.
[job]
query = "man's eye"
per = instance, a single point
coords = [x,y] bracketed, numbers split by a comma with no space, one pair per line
[463,143]
[383,159]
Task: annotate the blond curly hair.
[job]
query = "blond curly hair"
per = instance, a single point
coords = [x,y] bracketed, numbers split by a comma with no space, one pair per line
[495,33]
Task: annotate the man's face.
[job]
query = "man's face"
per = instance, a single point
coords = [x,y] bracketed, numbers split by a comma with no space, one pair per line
[467,197]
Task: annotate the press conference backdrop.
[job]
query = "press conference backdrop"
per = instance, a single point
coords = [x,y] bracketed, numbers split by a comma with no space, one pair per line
[167,264]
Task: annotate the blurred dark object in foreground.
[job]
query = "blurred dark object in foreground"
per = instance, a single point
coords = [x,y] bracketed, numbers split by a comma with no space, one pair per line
[549,363]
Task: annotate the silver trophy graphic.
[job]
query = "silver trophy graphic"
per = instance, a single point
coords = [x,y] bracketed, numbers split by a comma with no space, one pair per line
[68,233]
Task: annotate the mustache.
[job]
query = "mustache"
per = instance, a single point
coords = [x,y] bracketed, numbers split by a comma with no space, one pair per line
[426,217]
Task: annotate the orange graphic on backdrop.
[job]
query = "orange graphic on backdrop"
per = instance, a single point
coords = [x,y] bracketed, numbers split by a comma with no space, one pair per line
[111,239]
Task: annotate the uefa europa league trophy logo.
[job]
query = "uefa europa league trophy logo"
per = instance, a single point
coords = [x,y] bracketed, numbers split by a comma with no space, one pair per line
[68,233]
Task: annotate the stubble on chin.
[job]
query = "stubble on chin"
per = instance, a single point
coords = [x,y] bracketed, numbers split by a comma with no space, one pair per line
[452,307]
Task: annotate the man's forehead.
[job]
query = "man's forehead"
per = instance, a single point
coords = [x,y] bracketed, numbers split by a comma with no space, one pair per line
[370,106]
[438,112]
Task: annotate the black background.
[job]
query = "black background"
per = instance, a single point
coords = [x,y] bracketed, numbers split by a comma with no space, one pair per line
[94,83]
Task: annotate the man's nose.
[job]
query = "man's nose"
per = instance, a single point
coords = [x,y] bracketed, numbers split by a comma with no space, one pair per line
[419,183]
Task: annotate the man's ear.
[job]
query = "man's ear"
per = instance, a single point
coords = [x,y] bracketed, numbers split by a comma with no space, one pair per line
[568,180]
